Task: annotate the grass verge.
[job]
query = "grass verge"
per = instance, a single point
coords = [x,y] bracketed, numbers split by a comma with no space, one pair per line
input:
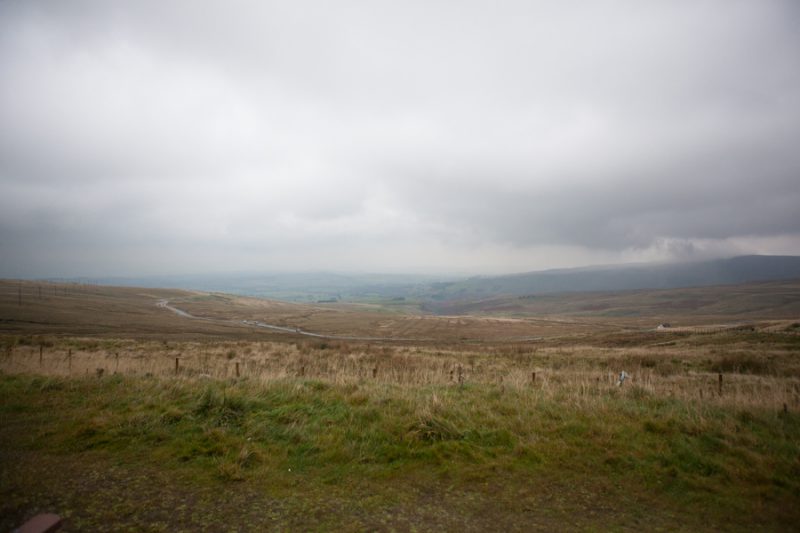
[311,454]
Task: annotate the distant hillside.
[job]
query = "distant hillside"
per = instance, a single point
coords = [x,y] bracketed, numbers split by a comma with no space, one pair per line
[408,292]
[743,269]
[718,303]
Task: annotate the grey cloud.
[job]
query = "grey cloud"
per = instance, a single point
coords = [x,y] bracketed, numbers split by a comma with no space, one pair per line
[172,135]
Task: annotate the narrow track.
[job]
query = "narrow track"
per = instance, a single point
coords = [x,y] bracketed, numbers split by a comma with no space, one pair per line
[164,304]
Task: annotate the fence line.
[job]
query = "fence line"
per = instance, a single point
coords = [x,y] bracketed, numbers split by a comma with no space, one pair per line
[744,390]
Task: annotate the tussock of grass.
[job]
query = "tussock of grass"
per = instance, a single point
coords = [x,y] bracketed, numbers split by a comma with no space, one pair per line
[743,363]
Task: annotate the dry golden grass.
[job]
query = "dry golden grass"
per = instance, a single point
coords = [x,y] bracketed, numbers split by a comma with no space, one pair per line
[85,330]
[752,377]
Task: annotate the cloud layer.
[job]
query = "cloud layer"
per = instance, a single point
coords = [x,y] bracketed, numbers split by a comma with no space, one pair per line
[416,136]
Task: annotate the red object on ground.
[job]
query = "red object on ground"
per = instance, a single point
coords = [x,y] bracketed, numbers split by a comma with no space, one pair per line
[41,523]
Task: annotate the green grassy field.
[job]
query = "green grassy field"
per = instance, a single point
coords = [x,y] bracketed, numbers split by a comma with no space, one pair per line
[312,455]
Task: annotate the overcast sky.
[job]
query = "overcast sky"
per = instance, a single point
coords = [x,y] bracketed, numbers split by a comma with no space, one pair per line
[429,137]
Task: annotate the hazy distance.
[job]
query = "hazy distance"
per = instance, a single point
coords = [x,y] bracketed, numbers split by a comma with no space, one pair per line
[156,138]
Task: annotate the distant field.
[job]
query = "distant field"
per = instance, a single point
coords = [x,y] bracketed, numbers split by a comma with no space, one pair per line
[123,415]
[76,309]
[92,310]
[751,301]
[87,309]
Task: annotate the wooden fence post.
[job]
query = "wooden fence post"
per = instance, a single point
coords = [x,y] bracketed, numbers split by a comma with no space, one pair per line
[533,378]
[237,369]
[720,383]
[177,365]
[41,348]
[69,360]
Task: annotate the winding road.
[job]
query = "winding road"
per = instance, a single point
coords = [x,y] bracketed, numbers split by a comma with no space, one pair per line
[164,304]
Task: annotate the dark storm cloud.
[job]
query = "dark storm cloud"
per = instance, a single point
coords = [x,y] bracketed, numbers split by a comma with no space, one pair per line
[468,136]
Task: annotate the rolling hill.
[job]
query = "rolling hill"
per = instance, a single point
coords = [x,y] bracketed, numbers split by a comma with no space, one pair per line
[736,270]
